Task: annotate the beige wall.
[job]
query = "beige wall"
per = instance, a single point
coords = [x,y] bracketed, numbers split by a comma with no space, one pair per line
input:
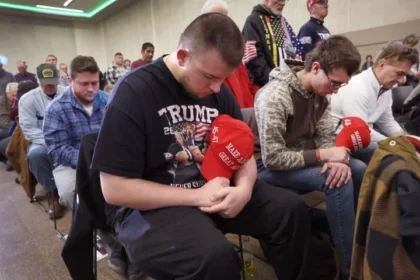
[369,23]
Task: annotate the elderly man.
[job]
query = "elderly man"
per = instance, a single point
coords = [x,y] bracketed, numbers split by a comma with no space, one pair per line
[314,30]
[6,101]
[32,108]
[269,40]
[23,74]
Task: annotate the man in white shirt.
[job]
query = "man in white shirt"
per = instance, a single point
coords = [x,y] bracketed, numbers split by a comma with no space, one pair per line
[368,94]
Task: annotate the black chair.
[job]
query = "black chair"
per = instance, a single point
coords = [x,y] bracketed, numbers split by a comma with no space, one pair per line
[89,215]
[399,95]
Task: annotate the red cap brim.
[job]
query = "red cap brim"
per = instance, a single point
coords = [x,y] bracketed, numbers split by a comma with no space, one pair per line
[211,168]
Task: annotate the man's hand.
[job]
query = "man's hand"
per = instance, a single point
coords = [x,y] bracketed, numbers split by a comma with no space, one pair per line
[340,174]
[232,201]
[206,193]
[336,154]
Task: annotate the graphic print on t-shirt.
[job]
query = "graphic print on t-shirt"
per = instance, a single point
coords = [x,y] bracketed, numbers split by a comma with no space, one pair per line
[190,127]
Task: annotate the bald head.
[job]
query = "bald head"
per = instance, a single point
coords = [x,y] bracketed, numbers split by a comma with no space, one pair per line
[215,6]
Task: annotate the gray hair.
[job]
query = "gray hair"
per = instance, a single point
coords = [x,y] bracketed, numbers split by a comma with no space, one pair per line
[11,86]
[210,3]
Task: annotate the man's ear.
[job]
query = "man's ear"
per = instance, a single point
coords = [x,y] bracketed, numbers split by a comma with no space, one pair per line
[182,56]
[316,67]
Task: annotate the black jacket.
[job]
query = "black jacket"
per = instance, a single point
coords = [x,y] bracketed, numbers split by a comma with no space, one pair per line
[310,33]
[258,57]
[88,214]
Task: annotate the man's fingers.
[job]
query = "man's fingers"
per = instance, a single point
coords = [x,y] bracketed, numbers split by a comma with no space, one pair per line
[332,175]
[213,209]
[348,176]
[220,194]
[335,180]
[324,168]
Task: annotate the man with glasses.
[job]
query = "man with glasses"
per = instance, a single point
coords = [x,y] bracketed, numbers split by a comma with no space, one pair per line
[295,143]
[368,95]
[314,30]
[269,40]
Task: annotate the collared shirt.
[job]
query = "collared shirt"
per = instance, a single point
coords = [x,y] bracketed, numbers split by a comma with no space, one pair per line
[28,76]
[66,122]
[362,98]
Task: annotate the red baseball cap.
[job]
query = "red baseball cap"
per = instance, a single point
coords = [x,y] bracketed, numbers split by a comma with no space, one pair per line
[355,134]
[309,3]
[415,141]
[231,146]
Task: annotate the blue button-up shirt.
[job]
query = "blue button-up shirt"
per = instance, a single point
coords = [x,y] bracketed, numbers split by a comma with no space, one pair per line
[66,122]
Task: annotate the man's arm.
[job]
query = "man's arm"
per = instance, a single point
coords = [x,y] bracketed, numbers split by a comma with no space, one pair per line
[29,122]
[146,195]
[388,125]
[324,133]
[254,58]
[247,175]
[57,138]
[4,114]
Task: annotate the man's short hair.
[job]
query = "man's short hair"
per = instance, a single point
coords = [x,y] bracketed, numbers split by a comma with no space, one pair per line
[411,40]
[214,31]
[369,56]
[335,52]
[396,52]
[10,86]
[210,3]
[51,55]
[24,87]
[62,63]
[147,45]
[118,54]
[82,64]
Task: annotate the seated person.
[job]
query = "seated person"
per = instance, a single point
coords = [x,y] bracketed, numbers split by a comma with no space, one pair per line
[176,230]
[79,111]
[369,96]
[239,83]
[5,121]
[32,108]
[296,144]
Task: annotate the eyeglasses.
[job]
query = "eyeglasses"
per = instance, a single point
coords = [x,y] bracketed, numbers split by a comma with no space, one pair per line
[333,84]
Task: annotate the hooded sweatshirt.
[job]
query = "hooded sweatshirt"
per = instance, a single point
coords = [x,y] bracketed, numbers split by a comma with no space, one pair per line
[290,123]
[269,40]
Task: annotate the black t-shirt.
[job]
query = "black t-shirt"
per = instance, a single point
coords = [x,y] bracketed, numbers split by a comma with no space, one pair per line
[154,130]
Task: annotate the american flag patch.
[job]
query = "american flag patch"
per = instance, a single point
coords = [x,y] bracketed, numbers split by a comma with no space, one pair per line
[250,51]
[200,131]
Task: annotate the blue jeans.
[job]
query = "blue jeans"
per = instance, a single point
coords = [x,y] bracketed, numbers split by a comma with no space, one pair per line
[366,154]
[41,166]
[339,201]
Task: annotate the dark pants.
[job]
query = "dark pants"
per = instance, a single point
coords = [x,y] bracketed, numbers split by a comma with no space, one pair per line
[185,243]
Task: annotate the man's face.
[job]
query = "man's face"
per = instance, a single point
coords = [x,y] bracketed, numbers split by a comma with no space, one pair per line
[389,75]
[51,60]
[275,6]
[127,64]
[119,60]
[49,89]
[21,67]
[410,46]
[85,87]
[202,73]
[64,68]
[11,94]
[325,83]
[147,54]
[320,9]
[369,59]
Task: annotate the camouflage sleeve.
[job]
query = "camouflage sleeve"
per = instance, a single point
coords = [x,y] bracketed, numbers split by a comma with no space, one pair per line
[324,133]
[272,108]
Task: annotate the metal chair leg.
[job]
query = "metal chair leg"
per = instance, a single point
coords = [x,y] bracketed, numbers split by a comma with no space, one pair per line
[241,252]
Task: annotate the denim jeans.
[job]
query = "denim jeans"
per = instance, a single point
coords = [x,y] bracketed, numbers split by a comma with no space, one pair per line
[339,201]
[3,147]
[41,166]
[366,154]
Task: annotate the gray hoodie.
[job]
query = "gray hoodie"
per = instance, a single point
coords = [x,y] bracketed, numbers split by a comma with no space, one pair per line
[32,108]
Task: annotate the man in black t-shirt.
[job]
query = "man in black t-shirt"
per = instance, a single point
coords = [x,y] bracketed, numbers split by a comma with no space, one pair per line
[159,121]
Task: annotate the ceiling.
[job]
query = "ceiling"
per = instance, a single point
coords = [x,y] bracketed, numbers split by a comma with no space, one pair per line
[76,9]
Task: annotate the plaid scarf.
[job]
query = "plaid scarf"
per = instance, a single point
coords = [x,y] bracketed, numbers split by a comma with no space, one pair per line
[378,253]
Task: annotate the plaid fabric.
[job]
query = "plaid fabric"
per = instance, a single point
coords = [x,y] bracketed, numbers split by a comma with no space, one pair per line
[66,122]
[378,252]
[113,74]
